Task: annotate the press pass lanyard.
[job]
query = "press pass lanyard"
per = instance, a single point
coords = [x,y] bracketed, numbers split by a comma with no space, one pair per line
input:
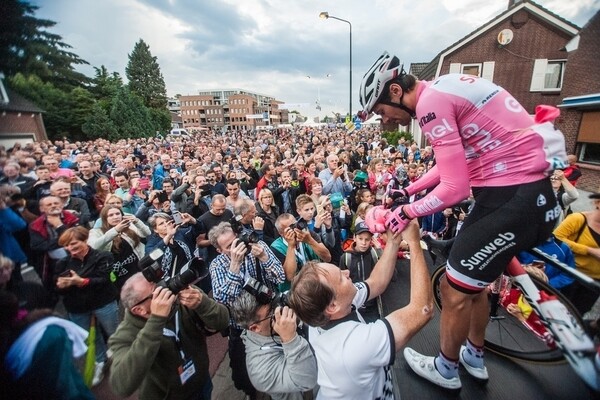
[187,368]
[175,335]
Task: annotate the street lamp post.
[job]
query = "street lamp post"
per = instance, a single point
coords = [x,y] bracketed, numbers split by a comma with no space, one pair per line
[325,15]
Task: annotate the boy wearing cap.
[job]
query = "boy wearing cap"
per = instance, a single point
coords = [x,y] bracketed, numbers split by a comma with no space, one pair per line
[360,260]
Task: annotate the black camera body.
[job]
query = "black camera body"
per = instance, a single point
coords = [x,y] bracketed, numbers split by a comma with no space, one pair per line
[264,295]
[192,272]
[243,235]
[299,224]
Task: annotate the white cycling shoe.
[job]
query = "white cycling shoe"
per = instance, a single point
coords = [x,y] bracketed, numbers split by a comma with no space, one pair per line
[479,373]
[424,367]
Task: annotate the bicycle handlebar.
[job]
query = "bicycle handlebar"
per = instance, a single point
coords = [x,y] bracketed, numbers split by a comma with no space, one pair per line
[580,276]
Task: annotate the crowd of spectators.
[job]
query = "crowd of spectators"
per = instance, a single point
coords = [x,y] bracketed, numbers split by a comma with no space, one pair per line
[255,205]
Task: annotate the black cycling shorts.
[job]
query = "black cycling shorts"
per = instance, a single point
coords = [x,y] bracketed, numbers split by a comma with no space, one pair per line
[503,222]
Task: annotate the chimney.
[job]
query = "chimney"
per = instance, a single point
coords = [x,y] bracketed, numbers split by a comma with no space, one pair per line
[512,3]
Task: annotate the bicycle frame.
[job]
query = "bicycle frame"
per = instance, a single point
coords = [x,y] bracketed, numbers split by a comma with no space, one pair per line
[569,336]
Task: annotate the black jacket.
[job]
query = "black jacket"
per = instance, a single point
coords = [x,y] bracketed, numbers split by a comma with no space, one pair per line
[100,291]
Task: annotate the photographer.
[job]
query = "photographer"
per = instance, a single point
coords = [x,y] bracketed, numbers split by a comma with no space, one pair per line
[285,195]
[229,270]
[279,361]
[159,347]
[176,238]
[295,246]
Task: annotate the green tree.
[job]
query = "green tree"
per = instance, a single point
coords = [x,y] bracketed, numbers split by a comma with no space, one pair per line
[99,125]
[145,78]
[27,47]
[129,115]
[105,86]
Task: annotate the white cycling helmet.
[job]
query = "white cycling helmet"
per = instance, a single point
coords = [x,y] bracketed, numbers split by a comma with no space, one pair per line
[386,68]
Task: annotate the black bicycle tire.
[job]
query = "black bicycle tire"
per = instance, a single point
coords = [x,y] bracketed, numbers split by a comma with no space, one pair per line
[548,356]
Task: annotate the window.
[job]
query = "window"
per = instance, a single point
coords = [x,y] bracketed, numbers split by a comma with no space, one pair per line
[590,153]
[483,70]
[547,75]
[471,69]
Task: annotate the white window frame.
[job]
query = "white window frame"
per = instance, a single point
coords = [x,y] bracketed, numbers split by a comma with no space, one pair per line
[538,77]
[478,65]
[486,69]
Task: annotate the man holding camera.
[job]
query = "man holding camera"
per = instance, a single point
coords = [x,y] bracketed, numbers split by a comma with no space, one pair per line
[279,361]
[239,260]
[295,246]
[285,195]
[160,347]
[335,177]
[354,357]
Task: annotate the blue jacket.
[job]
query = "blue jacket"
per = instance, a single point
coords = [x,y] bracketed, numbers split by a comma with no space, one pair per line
[561,252]
[11,222]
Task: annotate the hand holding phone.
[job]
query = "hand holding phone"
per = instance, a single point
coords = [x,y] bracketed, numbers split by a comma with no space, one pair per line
[177,219]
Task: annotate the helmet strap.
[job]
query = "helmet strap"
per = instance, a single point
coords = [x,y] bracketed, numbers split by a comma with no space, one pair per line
[400,106]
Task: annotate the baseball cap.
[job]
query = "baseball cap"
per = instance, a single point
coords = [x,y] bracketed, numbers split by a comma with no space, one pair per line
[360,228]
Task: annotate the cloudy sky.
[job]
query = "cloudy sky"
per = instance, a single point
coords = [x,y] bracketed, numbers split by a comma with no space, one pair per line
[271,46]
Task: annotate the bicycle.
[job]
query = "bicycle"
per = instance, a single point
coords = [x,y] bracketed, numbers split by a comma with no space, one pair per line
[554,333]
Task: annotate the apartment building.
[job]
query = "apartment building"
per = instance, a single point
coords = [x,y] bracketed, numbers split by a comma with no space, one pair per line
[231,109]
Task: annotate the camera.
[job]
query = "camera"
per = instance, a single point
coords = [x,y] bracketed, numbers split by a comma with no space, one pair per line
[192,272]
[299,224]
[243,235]
[264,295]
[294,174]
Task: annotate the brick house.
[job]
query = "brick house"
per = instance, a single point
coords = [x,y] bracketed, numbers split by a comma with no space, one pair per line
[20,119]
[580,107]
[525,50]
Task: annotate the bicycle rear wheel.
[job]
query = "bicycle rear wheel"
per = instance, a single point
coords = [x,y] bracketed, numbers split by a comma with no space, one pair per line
[507,336]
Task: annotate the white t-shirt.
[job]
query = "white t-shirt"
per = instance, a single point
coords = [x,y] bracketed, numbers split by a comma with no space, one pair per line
[354,358]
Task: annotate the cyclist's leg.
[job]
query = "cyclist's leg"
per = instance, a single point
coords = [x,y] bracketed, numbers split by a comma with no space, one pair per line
[503,222]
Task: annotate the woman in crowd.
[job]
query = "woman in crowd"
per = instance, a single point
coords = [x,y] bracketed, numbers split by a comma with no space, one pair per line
[310,172]
[378,179]
[361,213]
[365,196]
[103,191]
[120,235]
[178,242]
[83,281]
[316,189]
[268,211]
[565,193]
[581,232]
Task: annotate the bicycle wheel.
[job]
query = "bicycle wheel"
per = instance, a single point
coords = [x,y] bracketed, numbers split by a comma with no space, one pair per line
[507,336]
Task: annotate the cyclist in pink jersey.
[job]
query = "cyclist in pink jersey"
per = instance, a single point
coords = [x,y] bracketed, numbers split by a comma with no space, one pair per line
[485,140]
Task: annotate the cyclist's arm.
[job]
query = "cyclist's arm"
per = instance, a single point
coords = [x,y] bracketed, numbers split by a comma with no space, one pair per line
[453,175]
[430,179]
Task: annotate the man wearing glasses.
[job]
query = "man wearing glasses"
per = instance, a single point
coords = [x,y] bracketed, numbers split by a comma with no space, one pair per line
[279,361]
[159,348]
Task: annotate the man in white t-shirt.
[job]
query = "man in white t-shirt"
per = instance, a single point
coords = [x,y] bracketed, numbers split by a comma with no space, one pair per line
[353,357]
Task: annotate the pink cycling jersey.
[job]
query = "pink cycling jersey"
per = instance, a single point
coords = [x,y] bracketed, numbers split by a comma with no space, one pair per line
[482,137]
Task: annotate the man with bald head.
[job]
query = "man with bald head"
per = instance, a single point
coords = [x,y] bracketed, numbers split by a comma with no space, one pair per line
[62,189]
[44,233]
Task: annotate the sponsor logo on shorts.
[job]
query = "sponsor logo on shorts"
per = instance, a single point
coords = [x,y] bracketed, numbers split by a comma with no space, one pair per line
[541,200]
[553,214]
[488,252]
